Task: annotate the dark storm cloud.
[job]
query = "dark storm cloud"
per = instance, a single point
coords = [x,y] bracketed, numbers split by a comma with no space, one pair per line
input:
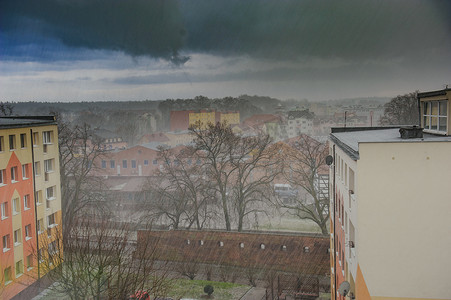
[274,30]
[136,27]
[344,29]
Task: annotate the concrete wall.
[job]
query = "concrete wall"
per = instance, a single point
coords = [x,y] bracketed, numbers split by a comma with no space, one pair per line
[404,201]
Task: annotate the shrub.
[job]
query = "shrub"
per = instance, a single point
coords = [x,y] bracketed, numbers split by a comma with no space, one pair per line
[208,289]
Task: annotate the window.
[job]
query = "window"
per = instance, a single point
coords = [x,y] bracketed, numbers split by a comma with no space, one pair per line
[262,246]
[124,164]
[23,140]
[7,275]
[435,115]
[12,142]
[16,206]
[26,202]
[306,249]
[24,171]
[38,197]
[40,226]
[146,162]
[2,145]
[2,177]
[103,164]
[19,268]
[48,165]
[29,262]
[37,168]
[241,245]
[50,193]
[283,248]
[6,243]
[47,137]
[28,232]
[133,164]
[52,248]
[112,164]
[35,139]
[51,221]
[17,237]
[14,174]
[221,244]
[4,210]
[154,162]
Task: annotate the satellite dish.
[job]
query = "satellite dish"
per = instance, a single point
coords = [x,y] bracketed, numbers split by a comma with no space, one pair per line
[329,160]
[344,288]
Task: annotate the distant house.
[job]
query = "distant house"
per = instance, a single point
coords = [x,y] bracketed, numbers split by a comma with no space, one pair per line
[109,140]
[181,120]
[299,122]
[135,161]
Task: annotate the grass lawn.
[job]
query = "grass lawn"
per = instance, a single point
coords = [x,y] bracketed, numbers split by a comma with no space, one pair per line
[289,223]
[194,289]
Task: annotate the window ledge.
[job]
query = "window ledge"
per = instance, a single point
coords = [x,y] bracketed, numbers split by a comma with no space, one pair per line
[2,184]
[8,282]
[6,249]
[38,203]
[30,268]
[26,208]
[51,198]
[24,178]
[15,213]
[18,275]
[52,225]
[27,238]
[17,244]
[4,218]
[14,181]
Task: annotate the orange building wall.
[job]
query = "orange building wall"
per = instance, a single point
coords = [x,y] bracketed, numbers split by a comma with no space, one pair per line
[8,259]
[362,292]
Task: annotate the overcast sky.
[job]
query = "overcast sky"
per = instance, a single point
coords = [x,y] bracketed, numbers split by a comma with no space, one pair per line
[86,50]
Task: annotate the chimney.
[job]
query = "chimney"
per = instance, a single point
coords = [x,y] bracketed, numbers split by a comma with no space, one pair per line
[411,132]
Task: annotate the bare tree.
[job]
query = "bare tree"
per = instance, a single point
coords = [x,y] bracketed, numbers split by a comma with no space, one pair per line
[401,110]
[182,192]
[214,145]
[241,168]
[79,149]
[304,165]
[256,166]
[99,260]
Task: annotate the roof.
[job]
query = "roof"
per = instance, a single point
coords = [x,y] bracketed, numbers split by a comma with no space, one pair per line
[26,121]
[348,139]
[434,93]
[296,114]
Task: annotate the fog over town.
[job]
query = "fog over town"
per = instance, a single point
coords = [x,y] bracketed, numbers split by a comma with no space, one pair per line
[224,149]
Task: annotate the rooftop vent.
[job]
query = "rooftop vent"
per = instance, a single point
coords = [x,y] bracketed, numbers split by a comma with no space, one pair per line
[411,132]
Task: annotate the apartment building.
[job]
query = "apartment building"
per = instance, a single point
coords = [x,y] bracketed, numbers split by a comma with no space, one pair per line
[390,233]
[30,199]
[181,120]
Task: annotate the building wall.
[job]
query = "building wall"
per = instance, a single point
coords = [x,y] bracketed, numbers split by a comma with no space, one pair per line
[202,116]
[25,250]
[344,205]
[139,154]
[231,118]
[47,206]
[179,120]
[403,210]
